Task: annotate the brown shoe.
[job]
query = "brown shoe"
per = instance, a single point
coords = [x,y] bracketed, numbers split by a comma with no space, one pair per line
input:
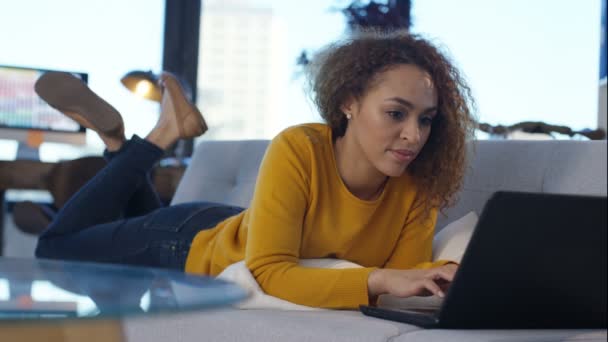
[68,94]
[175,105]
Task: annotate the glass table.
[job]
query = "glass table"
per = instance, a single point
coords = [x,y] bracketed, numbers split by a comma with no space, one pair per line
[41,296]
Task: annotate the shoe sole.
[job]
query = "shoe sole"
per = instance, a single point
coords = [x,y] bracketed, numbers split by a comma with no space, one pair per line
[67,93]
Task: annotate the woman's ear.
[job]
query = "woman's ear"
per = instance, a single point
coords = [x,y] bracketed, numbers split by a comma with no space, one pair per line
[349,107]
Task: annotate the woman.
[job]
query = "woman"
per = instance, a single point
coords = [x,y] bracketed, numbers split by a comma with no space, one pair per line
[365,187]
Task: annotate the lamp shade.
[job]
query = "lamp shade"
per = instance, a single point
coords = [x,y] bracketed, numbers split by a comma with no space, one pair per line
[143,83]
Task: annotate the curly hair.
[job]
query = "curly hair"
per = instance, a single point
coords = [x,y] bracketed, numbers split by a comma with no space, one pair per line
[349,68]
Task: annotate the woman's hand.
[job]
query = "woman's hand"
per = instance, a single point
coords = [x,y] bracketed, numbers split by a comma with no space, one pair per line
[407,283]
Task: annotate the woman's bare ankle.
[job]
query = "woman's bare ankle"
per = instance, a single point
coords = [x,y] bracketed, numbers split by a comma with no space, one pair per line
[113,145]
[162,136]
[114,142]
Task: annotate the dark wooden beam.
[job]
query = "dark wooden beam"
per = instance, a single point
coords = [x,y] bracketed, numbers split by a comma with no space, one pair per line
[180,50]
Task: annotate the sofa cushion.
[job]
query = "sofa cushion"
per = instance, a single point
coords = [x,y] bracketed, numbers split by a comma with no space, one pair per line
[495,165]
[348,326]
[503,335]
[222,172]
[577,168]
[264,325]
[226,171]
[574,167]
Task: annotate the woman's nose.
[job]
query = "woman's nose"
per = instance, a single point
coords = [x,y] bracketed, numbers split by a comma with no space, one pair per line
[410,132]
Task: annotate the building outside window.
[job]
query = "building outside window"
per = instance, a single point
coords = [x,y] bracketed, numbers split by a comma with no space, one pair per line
[249,83]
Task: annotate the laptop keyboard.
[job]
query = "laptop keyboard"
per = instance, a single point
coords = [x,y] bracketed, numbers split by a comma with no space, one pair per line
[425,311]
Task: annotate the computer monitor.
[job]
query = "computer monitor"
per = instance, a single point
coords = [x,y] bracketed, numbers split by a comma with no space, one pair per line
[26,118]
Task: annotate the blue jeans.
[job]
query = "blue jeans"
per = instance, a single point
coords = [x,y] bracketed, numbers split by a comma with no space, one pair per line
[117,217]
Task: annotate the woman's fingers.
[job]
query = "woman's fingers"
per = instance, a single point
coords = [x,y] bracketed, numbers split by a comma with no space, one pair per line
[445,287]
[441,273]
[406,283]
[433,288]
[441,278]
[447,274]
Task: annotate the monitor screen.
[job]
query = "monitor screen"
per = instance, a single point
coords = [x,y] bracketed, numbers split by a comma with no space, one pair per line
[22,108]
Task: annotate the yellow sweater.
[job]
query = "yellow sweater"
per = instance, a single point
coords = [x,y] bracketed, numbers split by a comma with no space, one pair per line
[301,209]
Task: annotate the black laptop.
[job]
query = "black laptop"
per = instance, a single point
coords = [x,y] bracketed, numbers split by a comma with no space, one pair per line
[534,261]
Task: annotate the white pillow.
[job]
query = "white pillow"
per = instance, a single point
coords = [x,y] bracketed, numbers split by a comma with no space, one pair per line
[451,242]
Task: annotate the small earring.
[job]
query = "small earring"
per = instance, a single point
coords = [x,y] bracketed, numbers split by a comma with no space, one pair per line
[348,116]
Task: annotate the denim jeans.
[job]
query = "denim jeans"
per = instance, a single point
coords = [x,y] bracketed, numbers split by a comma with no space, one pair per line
[117,217]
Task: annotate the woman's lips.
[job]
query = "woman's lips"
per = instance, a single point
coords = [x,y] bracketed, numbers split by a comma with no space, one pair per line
[403,155]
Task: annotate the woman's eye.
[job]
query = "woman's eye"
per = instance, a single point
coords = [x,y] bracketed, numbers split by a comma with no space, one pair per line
[426,121]
[397,115]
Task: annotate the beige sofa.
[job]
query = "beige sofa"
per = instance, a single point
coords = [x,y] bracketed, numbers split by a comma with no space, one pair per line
[225,172]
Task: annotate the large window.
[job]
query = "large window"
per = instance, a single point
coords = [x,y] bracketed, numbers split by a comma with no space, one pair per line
[104,38]
[525,60]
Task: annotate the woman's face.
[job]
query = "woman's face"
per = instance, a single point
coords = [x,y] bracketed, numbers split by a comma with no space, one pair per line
[392,121]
